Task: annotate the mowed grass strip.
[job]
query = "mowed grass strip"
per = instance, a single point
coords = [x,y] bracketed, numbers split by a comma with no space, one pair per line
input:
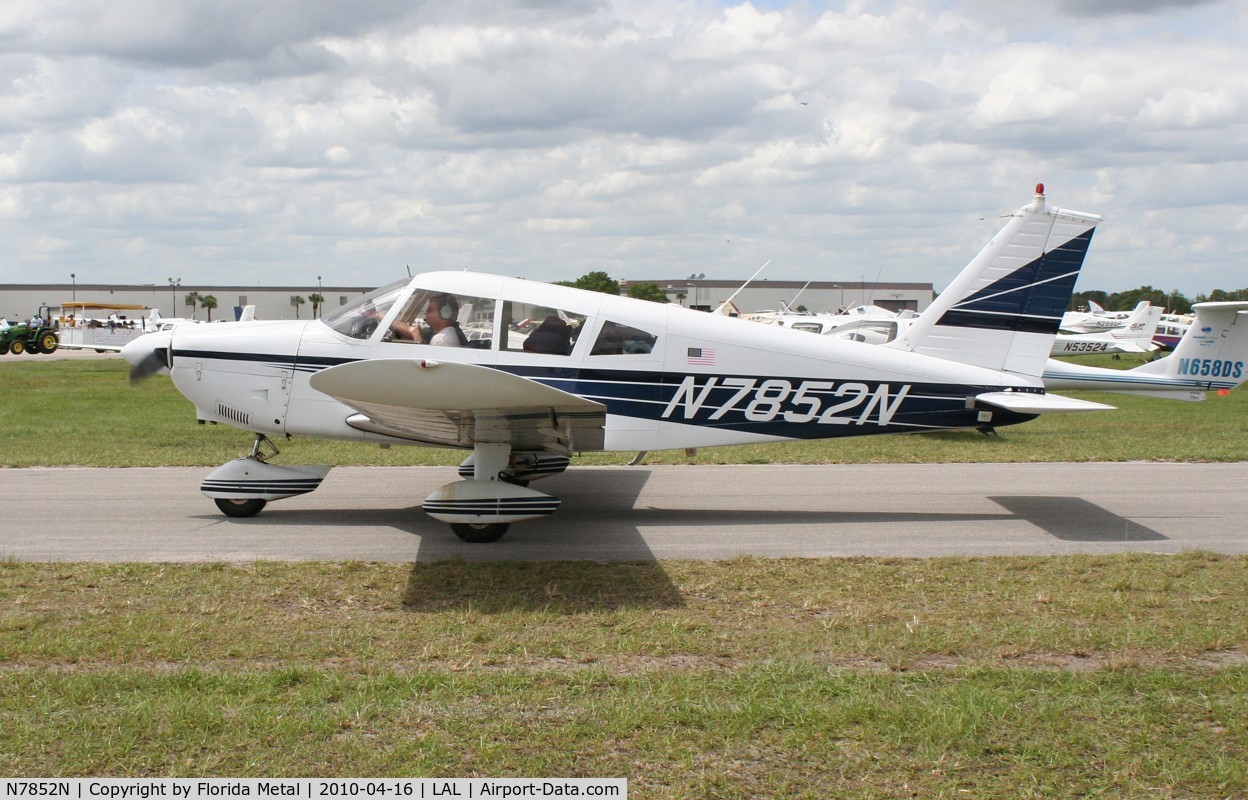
[85,413]
[1120,676]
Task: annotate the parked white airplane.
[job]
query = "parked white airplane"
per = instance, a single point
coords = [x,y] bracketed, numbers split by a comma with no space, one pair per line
[825,324]
[1094,320]
[611,373]
[1209,357]
[1135,335]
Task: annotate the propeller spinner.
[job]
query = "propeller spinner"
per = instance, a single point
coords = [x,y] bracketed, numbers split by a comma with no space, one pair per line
[148,354]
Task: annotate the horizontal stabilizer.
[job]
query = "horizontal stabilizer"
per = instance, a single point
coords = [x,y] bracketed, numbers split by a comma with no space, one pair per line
[1033,403]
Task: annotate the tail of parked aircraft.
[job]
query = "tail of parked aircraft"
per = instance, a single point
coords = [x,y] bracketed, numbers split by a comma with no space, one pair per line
[1005,307]
[1210,356]
[1136,334]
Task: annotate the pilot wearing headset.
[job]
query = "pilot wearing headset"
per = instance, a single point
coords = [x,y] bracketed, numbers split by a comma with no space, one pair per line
[441,319]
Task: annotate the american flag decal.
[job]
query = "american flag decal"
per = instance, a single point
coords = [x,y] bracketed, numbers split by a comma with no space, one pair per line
[701,355]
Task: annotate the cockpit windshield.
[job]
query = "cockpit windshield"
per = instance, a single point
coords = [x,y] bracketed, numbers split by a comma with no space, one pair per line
[359,318]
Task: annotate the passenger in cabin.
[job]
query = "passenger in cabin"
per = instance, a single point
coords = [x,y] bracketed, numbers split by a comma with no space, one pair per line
[441,324]
[553,336]
[608,343]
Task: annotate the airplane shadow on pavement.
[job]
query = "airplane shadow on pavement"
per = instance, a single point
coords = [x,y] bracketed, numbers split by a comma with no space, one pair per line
[1073,519]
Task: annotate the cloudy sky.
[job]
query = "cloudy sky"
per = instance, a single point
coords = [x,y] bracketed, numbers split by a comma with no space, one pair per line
[243,141]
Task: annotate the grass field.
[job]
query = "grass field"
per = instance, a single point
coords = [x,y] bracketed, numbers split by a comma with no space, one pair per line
[85,413]
[1100,676]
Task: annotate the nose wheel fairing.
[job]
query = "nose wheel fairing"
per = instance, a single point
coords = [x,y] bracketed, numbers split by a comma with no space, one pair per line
[249,478]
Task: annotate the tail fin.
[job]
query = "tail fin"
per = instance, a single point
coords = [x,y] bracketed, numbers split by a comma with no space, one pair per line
[1136,334]
[1004,309]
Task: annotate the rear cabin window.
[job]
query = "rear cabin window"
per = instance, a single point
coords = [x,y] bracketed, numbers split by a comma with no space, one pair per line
[529,328]
[616,339]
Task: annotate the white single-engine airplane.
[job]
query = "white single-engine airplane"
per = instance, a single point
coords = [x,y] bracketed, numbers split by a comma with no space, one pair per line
[1135,335]
[611,373]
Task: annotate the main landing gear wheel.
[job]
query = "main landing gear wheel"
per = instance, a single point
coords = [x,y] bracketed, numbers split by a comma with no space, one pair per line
[478,533]
[235,507]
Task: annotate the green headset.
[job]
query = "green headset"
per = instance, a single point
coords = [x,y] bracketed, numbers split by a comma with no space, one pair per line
[448,309]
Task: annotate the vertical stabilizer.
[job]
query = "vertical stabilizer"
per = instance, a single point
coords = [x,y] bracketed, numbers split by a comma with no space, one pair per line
[1004,309]
[1213,351]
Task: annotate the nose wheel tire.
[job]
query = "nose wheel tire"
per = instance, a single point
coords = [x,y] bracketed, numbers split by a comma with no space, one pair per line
[480,533]
[233,507]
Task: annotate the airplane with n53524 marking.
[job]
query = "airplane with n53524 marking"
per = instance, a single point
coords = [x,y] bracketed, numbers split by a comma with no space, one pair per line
[524,374]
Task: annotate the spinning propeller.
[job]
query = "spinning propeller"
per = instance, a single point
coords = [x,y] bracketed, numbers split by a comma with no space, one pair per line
[148,354]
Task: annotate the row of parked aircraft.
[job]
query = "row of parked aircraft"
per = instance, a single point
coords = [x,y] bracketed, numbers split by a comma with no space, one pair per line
[1142,330]
[396,367]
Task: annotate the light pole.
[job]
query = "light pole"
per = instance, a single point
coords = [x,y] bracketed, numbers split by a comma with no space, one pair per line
[74,277]
[174,283]
[841,308]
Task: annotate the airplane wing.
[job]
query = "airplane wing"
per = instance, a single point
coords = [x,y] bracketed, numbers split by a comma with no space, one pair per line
[458,405]
[110,348]
[1029,403]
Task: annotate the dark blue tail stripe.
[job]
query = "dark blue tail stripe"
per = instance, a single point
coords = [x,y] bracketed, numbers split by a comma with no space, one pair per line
[1031,299]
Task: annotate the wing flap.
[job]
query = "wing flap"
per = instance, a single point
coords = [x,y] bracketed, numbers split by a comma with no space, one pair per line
[458,405]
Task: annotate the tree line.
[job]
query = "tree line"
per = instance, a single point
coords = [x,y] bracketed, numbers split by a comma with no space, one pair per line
[1173,301]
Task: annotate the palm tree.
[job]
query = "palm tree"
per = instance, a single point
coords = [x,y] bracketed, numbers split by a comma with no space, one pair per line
[208,303]
[317,300]
[296,301]
[191,299]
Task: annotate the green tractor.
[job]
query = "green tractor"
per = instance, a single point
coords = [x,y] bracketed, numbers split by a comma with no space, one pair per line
[26,338]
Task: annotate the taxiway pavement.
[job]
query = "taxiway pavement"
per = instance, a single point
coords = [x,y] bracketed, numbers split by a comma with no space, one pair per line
[644,513]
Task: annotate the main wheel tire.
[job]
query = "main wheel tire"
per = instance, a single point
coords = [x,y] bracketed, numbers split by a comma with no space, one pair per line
[18,347]
[480,533]
[48,343]
[236,507]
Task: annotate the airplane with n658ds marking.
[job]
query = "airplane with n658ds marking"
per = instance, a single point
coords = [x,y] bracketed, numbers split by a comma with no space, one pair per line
[525,374]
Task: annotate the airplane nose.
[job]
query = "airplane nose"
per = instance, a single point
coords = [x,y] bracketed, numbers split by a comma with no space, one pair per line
[148,354]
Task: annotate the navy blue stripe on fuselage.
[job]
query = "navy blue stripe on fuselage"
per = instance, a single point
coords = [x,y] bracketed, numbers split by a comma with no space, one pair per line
[787,407]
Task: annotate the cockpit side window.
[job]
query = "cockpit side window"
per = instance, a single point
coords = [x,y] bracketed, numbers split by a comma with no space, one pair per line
[616,339]
[440,318]
[533,328]
[362,316]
